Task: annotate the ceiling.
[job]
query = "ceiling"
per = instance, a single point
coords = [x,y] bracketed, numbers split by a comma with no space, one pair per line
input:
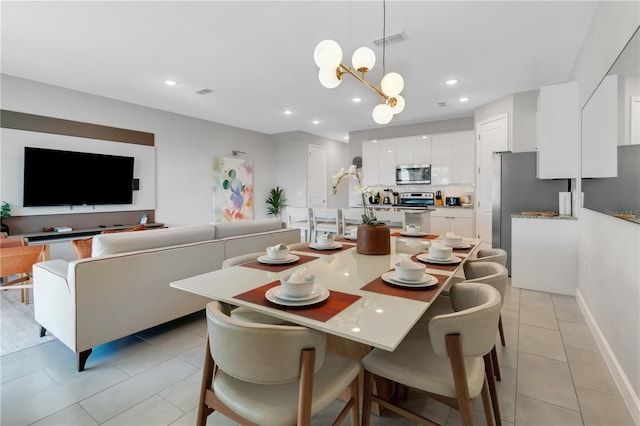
[257,56]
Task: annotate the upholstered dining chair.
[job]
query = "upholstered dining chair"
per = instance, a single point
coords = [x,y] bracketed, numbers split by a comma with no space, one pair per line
[497,255]
[300,217]
[325,221]
[16,265]
[271,374]
[449,366]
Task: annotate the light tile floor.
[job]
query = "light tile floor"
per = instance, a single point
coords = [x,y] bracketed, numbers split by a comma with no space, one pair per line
[552,374]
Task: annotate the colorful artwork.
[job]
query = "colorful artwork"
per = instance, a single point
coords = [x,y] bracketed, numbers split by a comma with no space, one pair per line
[232,189]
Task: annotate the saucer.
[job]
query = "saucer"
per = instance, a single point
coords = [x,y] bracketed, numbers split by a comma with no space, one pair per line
[350,237]
[457,246]
[289,259]
[270,295]
[327,247]
[451,260]
[413,234]
[278,292]
[426,281]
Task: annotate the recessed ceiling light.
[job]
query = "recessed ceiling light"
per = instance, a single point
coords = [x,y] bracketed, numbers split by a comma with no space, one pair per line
[288,112]
[346,138]
[316,121]
[465,99]
[452,82]
[170,82]
[424,137]
[357,99]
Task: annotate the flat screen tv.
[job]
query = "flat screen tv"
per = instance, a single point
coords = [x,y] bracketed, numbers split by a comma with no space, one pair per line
[67,178]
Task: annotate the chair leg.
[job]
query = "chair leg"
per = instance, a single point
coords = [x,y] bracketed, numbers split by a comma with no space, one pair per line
[485,403]
[307,360]
[496,364]
[491,381]
[501,330]
[207,378]
[355,398]
[456,358]
[366,398]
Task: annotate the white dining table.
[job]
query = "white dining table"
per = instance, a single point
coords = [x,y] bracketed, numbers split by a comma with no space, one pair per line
[374,319]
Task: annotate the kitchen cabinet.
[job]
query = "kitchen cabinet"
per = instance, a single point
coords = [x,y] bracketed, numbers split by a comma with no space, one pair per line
[378,162]
[413,150]
[558,131]
[452,219]
[544,254]
[452,158]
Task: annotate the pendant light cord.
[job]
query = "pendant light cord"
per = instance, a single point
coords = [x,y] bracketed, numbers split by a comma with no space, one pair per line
[384,34]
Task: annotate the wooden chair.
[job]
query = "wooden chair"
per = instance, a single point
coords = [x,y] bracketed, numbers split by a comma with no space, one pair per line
[449,366]
[300,217]
[16,264]
[271,374]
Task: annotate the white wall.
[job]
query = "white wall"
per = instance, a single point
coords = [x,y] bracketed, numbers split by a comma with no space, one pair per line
[184,147]
[609,281]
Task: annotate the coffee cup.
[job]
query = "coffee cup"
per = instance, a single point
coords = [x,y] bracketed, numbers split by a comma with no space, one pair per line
[325,240]
[439,251]
[452,239]
[413,229]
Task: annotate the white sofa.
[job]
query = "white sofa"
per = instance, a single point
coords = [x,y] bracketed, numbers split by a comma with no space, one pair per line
[124,287]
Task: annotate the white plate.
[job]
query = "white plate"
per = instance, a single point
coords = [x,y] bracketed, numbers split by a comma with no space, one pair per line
[413,234]
[280,294]
[271,297]
[426,281]
[457,246]
[289,259]
[350,237]
[452,260]
[320,247]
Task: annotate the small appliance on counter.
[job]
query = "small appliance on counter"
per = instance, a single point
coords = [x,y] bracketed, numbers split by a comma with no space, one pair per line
[438,198]
[416,199]
[452,201]
[467,200]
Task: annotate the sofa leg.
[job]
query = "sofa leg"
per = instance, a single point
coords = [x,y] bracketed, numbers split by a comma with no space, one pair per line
[43,331]
[82,359]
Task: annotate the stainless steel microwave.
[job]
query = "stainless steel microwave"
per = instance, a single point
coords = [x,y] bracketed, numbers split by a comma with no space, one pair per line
[413,174]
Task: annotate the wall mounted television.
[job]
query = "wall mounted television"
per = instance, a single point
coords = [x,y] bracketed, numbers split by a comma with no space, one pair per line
[68,178]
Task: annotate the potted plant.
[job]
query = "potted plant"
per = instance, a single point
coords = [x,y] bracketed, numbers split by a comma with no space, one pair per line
[276,201]
[5,212]
[373,236]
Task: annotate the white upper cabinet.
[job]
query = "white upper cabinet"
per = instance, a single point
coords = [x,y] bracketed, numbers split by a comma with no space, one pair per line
[379,162]
[558,132]
[452,158]
[413,150]
[600,131]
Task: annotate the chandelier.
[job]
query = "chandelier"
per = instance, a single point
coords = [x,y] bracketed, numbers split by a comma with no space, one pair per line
[328,57]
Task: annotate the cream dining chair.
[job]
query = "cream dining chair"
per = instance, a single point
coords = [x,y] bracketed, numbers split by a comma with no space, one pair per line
[300,217]
[351,218]
[271,374]
[449,366]
[325,221]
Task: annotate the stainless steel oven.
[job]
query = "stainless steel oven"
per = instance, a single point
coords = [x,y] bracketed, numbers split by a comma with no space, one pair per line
[413,174]
[417,199]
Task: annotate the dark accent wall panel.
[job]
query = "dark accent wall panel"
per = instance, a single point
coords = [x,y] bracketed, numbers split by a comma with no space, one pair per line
[39,123]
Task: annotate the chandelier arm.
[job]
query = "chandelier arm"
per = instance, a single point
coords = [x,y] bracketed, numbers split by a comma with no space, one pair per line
[365,82]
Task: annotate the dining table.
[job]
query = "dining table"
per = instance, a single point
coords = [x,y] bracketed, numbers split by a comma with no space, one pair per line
[355,299]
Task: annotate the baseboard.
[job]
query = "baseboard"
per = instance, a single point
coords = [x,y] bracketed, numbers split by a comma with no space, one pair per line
[625,388]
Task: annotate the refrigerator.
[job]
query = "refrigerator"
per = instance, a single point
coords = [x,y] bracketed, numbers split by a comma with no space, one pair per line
[515,189]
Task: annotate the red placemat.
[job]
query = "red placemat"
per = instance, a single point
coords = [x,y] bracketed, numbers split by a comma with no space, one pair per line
[345,241]
[424,294]
[322,311]
[435,265]
[424,237]
[278,268]
[315,251]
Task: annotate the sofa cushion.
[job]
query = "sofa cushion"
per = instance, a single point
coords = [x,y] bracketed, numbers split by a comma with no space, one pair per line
[82,247]
[106,244]
[232,229]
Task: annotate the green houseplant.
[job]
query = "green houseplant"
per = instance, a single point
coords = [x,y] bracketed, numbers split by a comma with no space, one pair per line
[276,201]
[5,212]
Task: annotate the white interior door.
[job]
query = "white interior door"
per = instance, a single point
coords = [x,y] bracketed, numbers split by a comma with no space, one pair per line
[317,183]
[492,136]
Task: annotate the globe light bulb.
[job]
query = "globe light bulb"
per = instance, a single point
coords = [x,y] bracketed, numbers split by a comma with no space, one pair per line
[382,114]
[392,84]
[329,78]
[363,59]
[399,106]
[327,54]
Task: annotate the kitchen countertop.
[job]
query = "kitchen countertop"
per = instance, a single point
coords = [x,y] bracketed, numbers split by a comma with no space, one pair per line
[559,217]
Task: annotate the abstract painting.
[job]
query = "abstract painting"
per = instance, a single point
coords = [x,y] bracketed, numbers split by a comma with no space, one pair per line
[232,189]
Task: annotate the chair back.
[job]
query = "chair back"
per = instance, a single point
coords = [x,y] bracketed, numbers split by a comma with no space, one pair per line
[492,273]
[260,353]
[476,323]
[20,260]
[350,218]
[327,220]
[13,242]
[297,216]
[239,260]
[497,255]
